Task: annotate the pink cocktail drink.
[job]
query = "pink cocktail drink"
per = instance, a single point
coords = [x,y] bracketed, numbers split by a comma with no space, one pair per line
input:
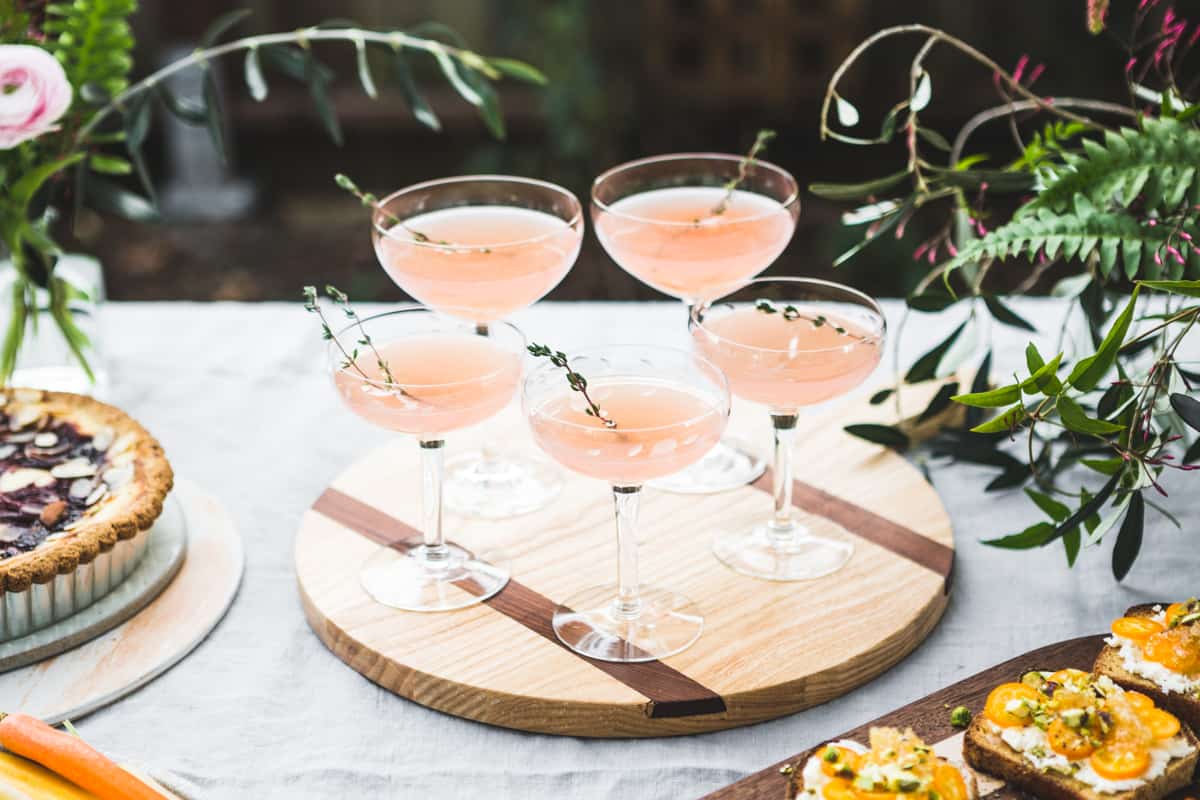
[441,383]
[487,261]
[424,374]
[786,363]
[788,343]
[655,410]
[672,240]
[662,429]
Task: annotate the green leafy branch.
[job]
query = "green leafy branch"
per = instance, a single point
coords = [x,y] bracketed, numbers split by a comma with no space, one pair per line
[1120,202]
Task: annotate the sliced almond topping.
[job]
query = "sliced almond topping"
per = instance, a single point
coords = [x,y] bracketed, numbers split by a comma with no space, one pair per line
[75,468]
[116,477]
[7,450]
[45,440]
[97,495]
[27,395]
[102,439]
[25,416]
[8,533]
[26,476]
[81,488]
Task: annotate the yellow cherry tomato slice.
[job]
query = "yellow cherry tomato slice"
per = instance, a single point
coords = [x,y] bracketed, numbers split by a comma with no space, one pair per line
[846,758]
[839,789]
[1176,649]
[948,783]
[1178,610]
[1163,724]
[996,708]
[1139,702]
[1118,765]
[1067,741]
[1068,676]
[1139,629]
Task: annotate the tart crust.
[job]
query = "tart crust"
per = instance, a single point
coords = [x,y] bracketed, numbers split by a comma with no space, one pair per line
[123,514]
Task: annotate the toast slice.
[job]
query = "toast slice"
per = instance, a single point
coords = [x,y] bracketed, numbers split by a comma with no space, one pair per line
[1110,663]
[985,751]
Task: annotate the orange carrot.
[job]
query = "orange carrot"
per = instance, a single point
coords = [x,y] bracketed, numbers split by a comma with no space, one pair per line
[72,758]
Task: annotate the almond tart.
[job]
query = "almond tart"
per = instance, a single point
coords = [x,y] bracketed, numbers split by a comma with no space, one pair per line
[77,478]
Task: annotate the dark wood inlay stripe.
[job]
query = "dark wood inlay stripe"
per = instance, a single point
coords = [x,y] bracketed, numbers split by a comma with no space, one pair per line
[868,525]
[669,691]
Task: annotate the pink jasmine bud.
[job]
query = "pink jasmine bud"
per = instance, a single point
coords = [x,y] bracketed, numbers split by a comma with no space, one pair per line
[1037,73]
[951,249]
[1168,18]
[1195,35]
[1175,253]
[1157,258]
[983,187]
[920,251]
[1151,222]
[1187,237]
[931,256]
[1129,65]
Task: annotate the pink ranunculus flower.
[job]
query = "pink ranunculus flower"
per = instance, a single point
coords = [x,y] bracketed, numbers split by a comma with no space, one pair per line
[34,93]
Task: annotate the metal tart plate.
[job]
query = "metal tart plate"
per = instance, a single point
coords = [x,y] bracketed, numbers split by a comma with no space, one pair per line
[49,618]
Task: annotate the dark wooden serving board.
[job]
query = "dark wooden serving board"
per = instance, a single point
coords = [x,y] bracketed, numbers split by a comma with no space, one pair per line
[930,717]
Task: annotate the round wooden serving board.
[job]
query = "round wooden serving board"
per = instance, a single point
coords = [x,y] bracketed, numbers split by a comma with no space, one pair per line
[768,649]
[107,668]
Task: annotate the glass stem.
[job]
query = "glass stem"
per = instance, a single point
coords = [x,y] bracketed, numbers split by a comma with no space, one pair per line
[781,528]
[434,552]
[628,604]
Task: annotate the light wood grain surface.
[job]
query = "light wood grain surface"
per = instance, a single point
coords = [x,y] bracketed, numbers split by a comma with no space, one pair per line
[111,666]
[768,649]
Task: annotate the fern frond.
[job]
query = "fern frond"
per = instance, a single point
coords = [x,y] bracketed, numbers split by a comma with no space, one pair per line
[93,41]
[1160,163]
[1085,233]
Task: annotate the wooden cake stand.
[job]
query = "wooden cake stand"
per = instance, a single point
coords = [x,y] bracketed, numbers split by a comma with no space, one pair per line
[768,649]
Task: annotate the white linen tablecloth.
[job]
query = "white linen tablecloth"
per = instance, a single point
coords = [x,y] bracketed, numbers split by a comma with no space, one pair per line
[237,395]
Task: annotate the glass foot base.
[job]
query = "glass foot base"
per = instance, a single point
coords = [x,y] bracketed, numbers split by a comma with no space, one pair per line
[587,623]
[801,558]
[498,488]
[729,465]
[406,580]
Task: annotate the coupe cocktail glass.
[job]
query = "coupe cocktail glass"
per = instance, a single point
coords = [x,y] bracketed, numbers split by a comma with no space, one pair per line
[788,343]
[670,408]
[482,247]
[671,222]
[444,375]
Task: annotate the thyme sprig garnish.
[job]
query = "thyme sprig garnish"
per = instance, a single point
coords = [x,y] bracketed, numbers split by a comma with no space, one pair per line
[372,202]
[760,144]
[576,381]
[349,357]
[790,314]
